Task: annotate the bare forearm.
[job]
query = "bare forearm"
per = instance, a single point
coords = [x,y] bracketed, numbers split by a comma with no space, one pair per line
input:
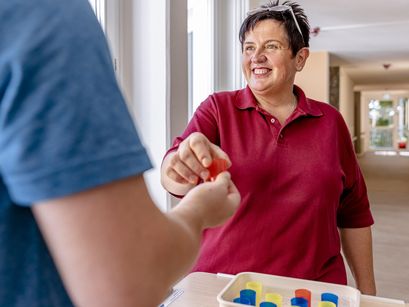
[183,246]
[357,248]
[174,248]
[114,247]
[112,253]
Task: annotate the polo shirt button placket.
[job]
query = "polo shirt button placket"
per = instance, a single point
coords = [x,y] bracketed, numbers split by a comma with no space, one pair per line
[273,127]
[280,138]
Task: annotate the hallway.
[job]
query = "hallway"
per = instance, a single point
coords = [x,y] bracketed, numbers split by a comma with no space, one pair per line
[387,179]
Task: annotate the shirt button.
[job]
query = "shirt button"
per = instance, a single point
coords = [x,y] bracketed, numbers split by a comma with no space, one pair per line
[281,136]
[272,120]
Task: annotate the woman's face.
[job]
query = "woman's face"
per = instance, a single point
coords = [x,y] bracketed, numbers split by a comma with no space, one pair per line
[267,61]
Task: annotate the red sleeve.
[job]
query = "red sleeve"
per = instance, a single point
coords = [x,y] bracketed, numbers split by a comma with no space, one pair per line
[354,209]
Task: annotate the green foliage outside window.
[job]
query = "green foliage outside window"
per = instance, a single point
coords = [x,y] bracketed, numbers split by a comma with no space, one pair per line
[383,122]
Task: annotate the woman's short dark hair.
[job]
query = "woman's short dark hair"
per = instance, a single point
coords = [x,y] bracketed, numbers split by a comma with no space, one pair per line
[295,39]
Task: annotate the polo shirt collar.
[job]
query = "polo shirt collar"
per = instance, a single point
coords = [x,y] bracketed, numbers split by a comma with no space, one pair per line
[246,100]
[304,104]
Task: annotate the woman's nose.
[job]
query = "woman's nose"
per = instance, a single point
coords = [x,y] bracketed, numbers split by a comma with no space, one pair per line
[258,57]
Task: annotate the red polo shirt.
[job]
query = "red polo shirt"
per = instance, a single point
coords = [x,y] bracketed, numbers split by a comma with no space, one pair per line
[299,182]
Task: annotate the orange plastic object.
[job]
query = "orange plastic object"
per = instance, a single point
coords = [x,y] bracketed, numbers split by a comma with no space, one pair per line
[304,293]
[217,166]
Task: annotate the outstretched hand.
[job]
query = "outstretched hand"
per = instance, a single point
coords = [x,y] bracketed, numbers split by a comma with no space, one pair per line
[212,203]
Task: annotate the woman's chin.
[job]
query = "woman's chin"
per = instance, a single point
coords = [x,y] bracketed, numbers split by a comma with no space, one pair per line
[257,87]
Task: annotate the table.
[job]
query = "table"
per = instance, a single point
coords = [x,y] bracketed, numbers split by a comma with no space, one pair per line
[201,289]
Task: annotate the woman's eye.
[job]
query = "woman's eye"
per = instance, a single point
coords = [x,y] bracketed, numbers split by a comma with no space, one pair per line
[249,48]
[273,47]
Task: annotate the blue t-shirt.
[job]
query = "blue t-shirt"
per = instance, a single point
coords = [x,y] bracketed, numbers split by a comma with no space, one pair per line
[64,128]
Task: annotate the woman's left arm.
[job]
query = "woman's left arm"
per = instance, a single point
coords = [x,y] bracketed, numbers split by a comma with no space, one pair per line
[357,248]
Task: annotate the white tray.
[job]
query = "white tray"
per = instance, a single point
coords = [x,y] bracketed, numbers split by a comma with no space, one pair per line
[347,296]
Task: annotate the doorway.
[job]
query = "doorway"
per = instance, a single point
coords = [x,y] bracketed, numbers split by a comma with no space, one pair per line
[388,123]
[381,121]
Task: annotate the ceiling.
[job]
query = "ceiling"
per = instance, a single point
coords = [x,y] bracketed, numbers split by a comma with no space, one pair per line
[361,36]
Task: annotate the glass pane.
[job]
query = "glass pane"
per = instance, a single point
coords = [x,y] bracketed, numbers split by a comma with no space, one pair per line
[381,116]
[381,138]
[200,51]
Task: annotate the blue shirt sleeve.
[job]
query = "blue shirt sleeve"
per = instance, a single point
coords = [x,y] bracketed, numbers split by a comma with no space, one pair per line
[64,125]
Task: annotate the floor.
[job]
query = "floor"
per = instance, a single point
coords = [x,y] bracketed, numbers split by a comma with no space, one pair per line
[387,179]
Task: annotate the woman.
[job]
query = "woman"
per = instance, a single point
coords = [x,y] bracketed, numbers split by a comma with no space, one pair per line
[291,158]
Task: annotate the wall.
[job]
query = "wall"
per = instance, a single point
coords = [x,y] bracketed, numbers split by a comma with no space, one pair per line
[314,78]
[255,3]
[346,99]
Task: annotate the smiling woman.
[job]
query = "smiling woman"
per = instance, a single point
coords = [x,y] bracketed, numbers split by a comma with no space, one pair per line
[291,158]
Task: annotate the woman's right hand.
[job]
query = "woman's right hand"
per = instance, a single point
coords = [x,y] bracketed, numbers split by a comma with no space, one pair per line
[181,170]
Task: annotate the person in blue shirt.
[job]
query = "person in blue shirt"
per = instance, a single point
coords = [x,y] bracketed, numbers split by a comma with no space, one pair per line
[77,225]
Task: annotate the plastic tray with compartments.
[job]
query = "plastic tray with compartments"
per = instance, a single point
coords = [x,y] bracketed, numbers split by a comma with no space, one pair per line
[347,296]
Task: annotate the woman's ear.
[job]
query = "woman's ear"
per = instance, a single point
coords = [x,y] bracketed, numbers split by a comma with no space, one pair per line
[301,58]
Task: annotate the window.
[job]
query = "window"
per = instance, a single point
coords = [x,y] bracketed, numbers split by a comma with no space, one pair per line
[214,51]
[99,9]
[200,51]
[107,12]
